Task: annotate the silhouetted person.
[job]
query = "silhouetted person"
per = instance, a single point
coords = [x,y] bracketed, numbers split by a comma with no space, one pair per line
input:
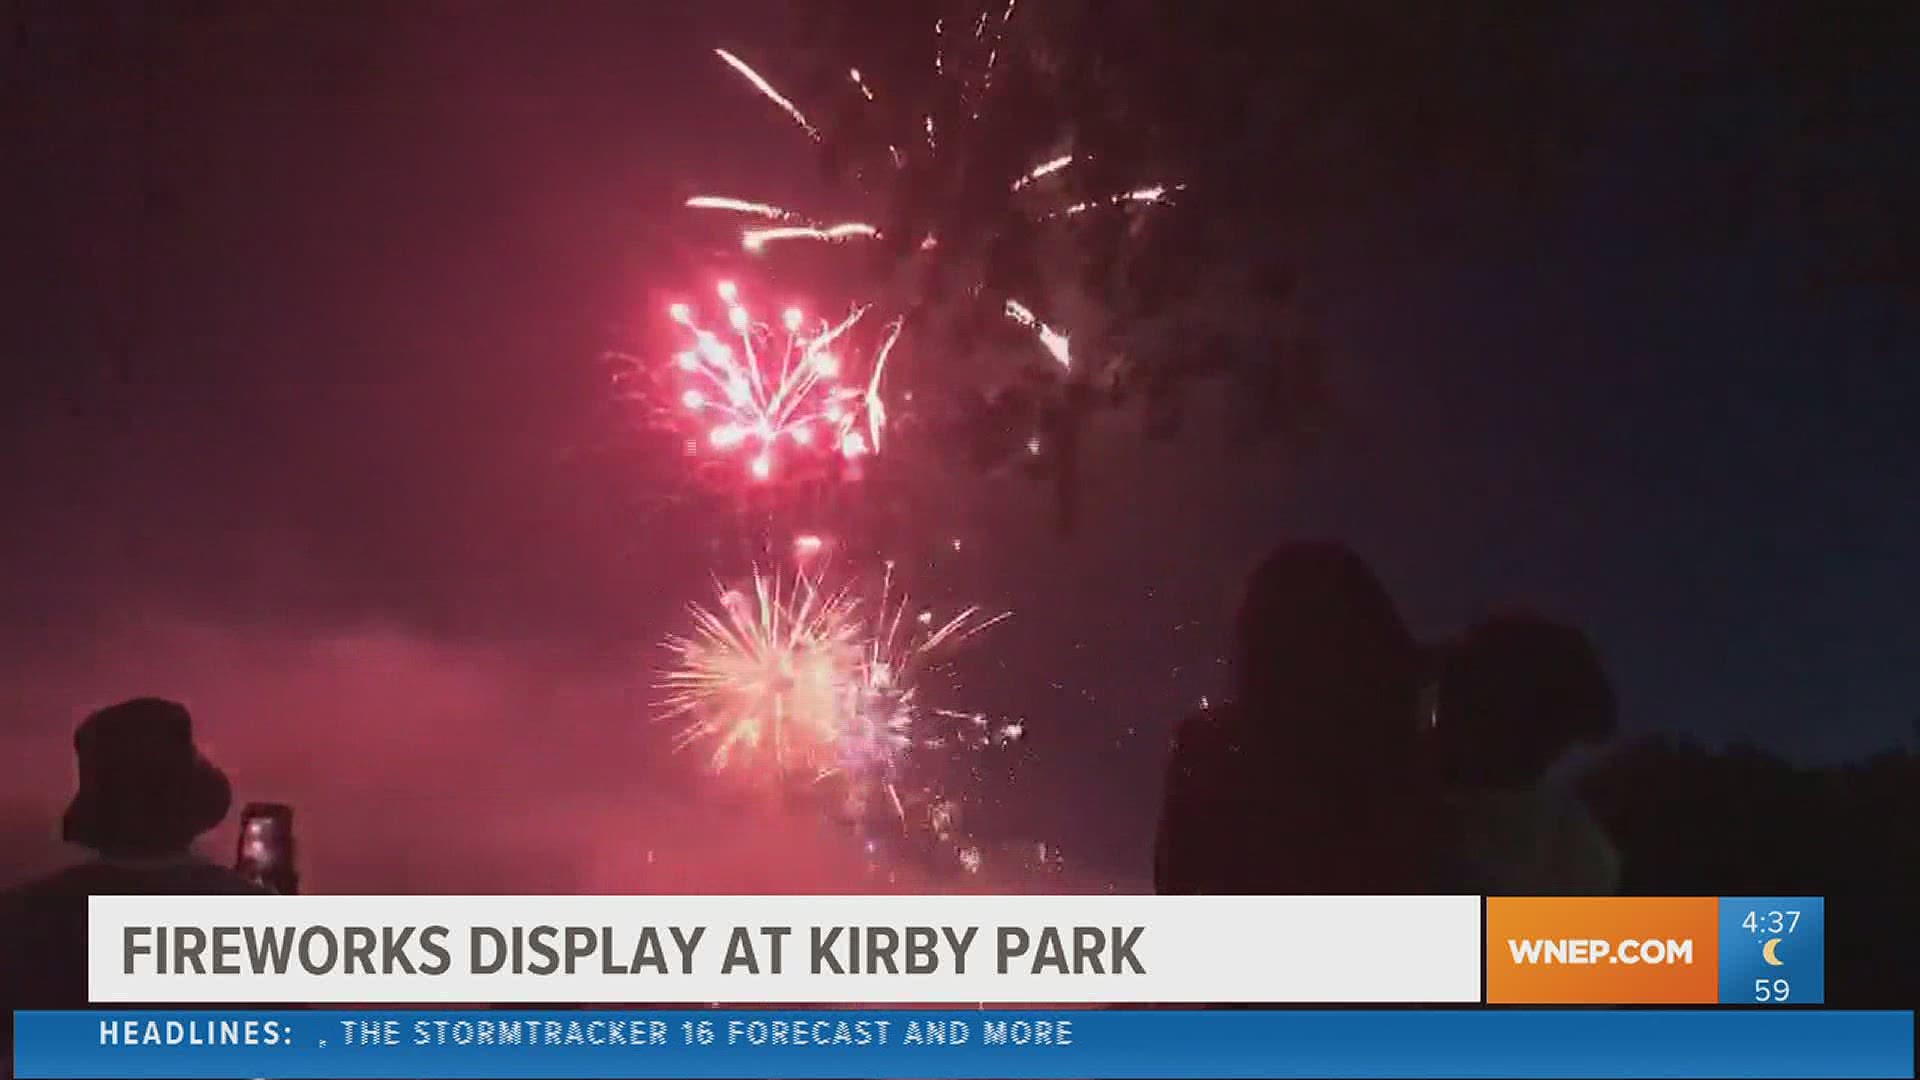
[1310,780]
[145,794]
[1514,695]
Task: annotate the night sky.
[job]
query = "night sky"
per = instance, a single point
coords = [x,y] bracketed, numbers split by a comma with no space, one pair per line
[306,424]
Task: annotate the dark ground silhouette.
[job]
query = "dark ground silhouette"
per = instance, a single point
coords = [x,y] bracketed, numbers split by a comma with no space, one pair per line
[1740,822]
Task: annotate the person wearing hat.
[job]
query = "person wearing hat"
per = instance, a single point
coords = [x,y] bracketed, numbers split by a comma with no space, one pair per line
[145,794]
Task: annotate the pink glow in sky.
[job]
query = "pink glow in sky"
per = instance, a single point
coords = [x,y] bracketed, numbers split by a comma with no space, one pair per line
[421,768]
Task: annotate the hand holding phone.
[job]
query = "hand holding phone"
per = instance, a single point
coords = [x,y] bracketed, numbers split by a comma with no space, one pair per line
[266,853]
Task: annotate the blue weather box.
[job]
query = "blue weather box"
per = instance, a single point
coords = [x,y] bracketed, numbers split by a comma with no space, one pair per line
[1773,950]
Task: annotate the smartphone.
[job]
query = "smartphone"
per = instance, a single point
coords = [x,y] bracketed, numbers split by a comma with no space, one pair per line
[266,847]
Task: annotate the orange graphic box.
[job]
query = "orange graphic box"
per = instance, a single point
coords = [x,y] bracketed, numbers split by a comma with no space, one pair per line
[1603,950]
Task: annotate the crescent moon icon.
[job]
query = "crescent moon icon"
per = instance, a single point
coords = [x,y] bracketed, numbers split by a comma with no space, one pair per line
[1770,952]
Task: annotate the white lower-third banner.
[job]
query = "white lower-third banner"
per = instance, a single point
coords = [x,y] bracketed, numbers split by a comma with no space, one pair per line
[784,949]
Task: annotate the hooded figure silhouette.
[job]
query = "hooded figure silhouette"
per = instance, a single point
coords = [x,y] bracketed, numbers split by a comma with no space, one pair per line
[1309,781]
[145,794]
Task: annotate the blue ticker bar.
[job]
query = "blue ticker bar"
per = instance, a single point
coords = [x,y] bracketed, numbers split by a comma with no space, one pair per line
[1080,1043]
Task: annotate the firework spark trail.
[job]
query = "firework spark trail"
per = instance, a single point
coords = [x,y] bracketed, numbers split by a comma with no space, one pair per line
[876,405]
[888,719]
[1056,343]
[757,239]
[1147,195]
[802,402]
[739,206]
[767,90]
[887,649]
[999,37]
[1044,169]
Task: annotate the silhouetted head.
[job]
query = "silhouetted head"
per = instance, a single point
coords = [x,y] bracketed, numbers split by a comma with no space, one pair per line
[1515,694]
[144,787]
[1320,642]
[1307,782]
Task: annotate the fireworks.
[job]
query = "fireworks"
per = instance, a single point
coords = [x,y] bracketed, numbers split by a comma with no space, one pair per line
[738,206]
[1044,169]
[792,673]
[758,239]
[1055,342]
[888,718]
[848,683]
[762,392]
[766,672]
[766,89]
[965,58]
[1145,195]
